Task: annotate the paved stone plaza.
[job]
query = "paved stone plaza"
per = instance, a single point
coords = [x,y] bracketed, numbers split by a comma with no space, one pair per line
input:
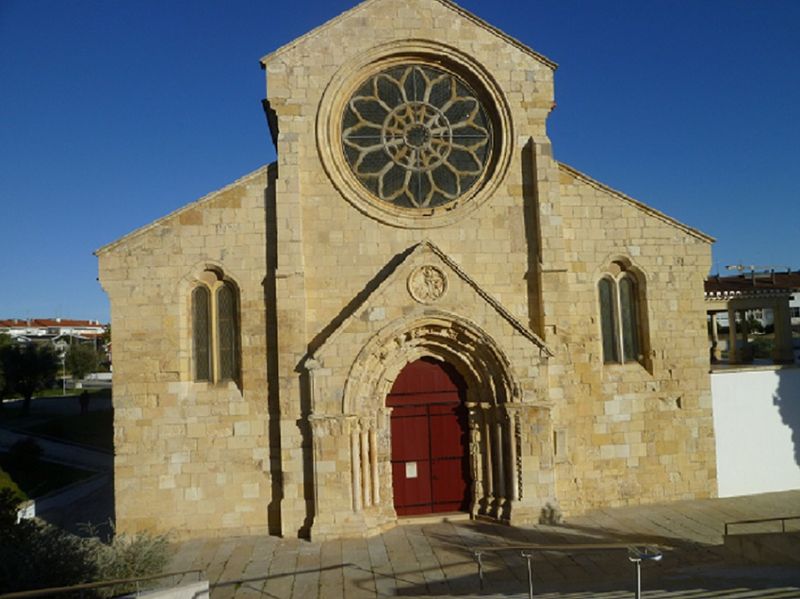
[435,559]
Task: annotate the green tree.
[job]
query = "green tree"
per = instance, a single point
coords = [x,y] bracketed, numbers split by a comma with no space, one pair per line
[754,325]
[28,369]
[81,360]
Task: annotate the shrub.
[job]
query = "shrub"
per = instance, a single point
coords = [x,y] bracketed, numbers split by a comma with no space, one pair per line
[9,500]
[36,555]
[550,514]
[6,482]
[130,556]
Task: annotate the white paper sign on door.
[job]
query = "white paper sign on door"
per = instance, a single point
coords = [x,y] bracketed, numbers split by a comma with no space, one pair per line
[411,470]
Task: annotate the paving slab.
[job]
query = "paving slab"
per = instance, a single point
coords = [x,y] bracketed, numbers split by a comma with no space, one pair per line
[436,559]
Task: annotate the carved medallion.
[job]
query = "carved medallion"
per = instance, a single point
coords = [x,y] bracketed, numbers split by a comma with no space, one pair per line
[427,284]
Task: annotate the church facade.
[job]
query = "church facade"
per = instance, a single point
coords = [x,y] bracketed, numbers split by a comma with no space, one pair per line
[415,310]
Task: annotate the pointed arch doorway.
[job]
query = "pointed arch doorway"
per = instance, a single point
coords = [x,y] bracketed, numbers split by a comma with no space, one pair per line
[430,439]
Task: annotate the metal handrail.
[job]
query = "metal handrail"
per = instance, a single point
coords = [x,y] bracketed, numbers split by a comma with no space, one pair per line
[781,519]
[94,585]
[562,547]
[649,551]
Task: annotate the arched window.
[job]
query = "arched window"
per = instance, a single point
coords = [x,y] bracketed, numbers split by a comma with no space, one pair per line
[228,332]
[215,329]
[608,320]
[201,331]
[629,321]
[620,320]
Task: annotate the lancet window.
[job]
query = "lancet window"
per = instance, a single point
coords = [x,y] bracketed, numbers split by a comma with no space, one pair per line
[620,316]
[215,329]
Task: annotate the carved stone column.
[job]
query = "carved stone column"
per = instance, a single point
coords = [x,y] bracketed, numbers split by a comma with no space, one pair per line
[488,461]
[501,492]
[355,468]
[366,467]
[373,464]
[474,420]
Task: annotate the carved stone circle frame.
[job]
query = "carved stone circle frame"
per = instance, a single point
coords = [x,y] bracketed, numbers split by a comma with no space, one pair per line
[427,284]
[425,155]
[416,136]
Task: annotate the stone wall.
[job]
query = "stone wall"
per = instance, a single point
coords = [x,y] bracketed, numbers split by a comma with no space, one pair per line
[329,317]
[636,432]
[330,251]
[189,457]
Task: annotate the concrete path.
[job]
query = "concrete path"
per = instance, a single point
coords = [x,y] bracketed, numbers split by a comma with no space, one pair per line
[436,560]
[47,407]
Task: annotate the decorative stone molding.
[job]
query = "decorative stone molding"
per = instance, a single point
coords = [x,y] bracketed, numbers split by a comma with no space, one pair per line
[427,284]
[438,334]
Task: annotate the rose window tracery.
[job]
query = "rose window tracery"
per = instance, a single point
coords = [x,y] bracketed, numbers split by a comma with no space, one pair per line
[416,136]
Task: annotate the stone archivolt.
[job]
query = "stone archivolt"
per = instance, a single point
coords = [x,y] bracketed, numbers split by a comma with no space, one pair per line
[501,413]
[498,443]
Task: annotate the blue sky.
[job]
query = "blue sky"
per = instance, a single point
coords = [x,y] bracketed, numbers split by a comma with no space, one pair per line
[114,113]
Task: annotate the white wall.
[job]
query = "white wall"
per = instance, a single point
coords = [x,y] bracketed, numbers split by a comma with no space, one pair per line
[757,428]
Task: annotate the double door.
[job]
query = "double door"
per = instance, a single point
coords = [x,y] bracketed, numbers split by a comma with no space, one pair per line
[430,471]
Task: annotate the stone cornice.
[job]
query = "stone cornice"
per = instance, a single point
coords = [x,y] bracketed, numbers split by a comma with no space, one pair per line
[512,320]
[465,14]
[636,204]
[203,200]
[420,248]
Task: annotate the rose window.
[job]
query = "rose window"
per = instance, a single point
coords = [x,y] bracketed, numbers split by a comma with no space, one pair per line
[416,136]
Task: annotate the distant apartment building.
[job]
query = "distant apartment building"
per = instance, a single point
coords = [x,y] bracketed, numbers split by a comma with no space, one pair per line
[34,329]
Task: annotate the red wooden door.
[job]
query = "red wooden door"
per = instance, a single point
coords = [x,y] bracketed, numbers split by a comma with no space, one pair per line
[430,471]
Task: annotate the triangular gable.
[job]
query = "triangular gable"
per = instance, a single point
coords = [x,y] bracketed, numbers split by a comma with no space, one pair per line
[393,277]
[176,213]
[636,204]
[465,14]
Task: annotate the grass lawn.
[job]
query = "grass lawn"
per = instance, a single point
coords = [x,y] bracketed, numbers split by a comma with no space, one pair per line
[38,481]
[95,429]
[58,392]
